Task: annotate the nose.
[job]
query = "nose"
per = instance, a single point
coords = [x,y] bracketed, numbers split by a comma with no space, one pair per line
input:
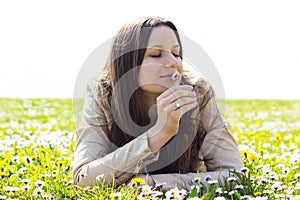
[174,62]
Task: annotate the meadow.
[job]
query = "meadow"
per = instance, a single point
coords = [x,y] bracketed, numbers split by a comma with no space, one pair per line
[37,143]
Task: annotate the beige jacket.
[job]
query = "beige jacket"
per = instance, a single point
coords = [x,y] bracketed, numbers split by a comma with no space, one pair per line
[96,155]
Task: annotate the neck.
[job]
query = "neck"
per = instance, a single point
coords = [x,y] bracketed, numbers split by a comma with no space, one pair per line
[150,99]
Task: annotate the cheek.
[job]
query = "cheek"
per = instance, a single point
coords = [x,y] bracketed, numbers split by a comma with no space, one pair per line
[180,67]
[143,76]
[149,72]
[148,79]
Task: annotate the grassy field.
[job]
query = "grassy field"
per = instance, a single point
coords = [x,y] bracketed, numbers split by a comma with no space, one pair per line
[37,144]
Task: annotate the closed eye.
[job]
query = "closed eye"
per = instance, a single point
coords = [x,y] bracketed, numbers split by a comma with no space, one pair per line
[177,55]
[155,55]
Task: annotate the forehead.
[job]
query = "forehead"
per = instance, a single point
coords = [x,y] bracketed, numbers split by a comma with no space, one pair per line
[162,35]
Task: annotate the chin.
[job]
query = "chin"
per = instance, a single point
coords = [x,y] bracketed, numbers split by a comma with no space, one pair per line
[158,88]
[154,89]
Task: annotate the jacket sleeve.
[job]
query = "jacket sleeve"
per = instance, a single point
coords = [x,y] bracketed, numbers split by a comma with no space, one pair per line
[95,155]
[219,148]
[169,181]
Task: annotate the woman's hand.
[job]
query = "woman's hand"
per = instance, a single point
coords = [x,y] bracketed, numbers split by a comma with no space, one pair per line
[171,105]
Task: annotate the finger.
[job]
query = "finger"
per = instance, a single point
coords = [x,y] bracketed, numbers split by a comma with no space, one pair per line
[185,108]
[184,100]
[180,103]
[171,90]
[181,94]
[176,113]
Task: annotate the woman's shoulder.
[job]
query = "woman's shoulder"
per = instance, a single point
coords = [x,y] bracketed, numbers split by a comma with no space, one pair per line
[100,92]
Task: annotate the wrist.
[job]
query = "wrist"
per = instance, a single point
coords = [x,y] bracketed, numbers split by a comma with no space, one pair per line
[165,131]
[157,138]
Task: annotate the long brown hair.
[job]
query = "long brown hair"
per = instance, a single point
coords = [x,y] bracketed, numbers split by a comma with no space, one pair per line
[120,74]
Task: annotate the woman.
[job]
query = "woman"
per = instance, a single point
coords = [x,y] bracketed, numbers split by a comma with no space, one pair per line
[147,118]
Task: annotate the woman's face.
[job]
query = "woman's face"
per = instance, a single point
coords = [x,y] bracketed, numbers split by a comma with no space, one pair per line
[160,61]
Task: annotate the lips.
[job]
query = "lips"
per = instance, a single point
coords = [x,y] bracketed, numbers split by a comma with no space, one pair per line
[166,76]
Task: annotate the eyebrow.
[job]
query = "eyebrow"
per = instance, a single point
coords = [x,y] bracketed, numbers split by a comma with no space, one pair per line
[161,46]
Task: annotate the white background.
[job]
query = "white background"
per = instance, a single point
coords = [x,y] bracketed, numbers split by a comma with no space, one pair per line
[255,44]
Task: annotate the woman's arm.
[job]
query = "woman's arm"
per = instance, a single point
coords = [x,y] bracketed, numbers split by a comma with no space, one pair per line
[219,149]
[95,154]
[169,181]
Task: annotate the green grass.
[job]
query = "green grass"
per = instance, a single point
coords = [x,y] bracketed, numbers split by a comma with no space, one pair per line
[36,151]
